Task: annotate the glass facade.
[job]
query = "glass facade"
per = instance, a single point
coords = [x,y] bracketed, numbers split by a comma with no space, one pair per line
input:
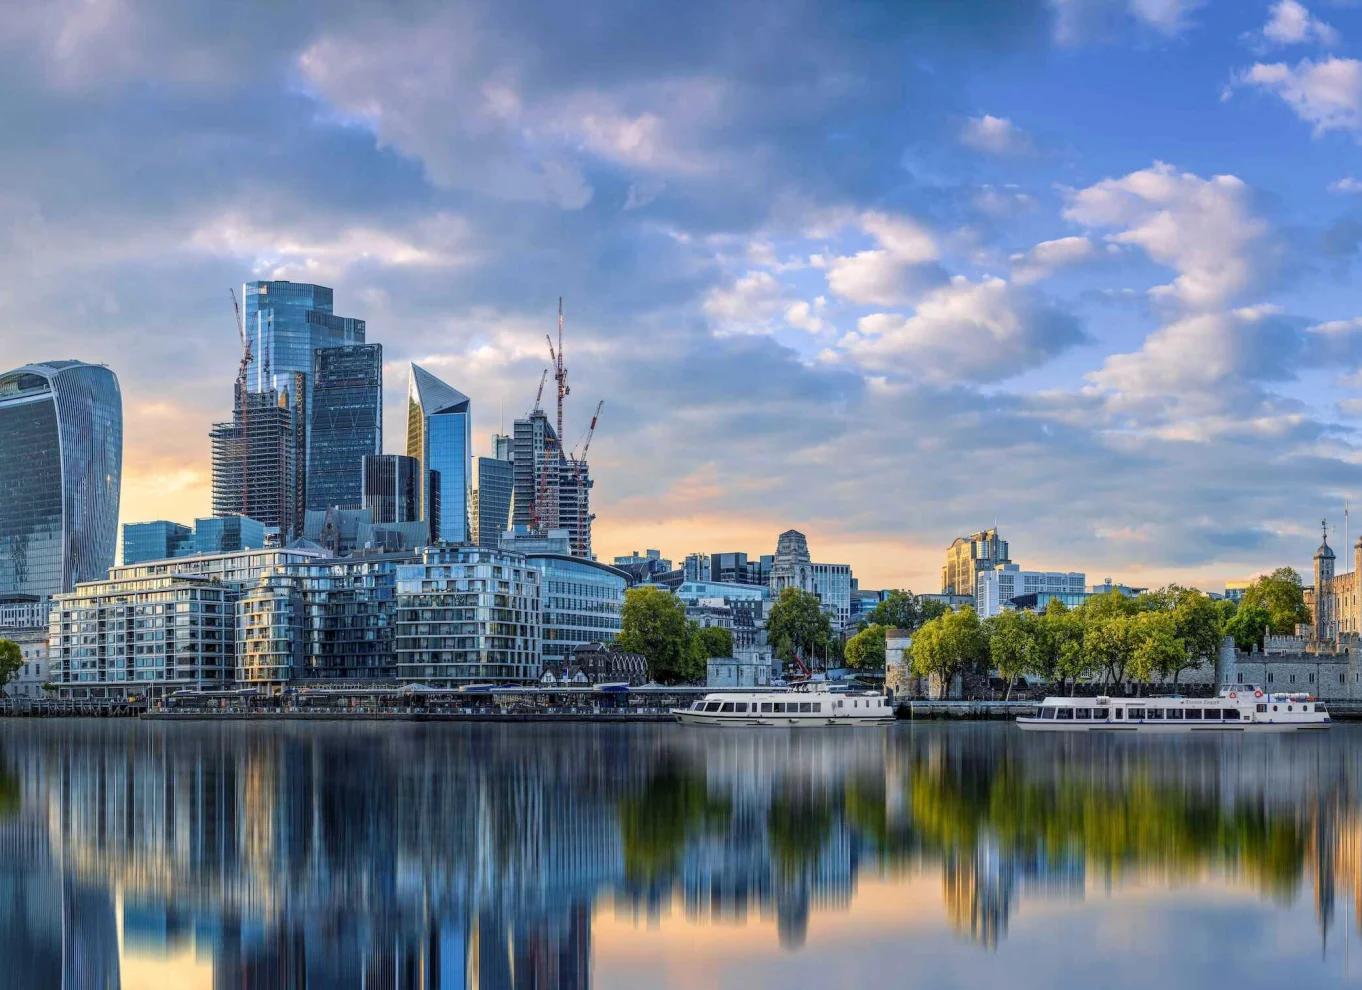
[392,488]
[347,423]
[61,451]
[155,541]
[496,479]
[223,534]
[287,321]
[439,432]
[582,603]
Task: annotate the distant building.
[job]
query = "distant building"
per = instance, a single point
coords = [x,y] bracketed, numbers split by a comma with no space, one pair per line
[156,540]
[392,488]
[227,534]
[61,457]
[832,585]
[468,615]
[1234,590]
[287,322]
[749,671]
[602,664]
[1036,601]
[995,589]
[23,620]
[439,431]
[346,417]
[642,568]
[792,567]
[496,482]
[256,470]
[967,556]
[550,489]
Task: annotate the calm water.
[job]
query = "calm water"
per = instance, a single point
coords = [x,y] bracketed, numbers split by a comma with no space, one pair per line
[292,855]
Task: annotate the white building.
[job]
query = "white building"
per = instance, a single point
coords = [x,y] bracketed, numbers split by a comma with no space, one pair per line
[995,588]
[32,674]
[832,585]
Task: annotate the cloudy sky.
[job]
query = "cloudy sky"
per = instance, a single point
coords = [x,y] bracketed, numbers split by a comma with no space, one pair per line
[886,274]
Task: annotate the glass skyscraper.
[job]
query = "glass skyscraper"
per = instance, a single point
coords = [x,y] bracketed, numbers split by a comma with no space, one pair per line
[392,488]
[157,540]
[439,431]
[286,322]
[496,480]
[61,460]
[347,423]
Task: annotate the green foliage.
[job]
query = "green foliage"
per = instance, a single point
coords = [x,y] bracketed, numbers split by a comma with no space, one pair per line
[865,650]
[1011,636]
[1056,649]
[11,659]
[1156,647]
[797,625]
[653,623]
[948,645]
[714,641]
[1248,626]
[899,610]
[656,823]
[929,609]
[1282,596]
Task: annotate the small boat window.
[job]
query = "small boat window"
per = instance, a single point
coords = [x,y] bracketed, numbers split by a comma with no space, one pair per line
[1153,714]
[1135,713]
[1082,713]
[713,706]
[1289,708]
[1047,713]
[766,706]
[1230,714]
[741,706]
[1064,713]
[1192,714]
[1261,707]
[1212,715]
[780,708]
[806,706]
[1172,714]
[727,707]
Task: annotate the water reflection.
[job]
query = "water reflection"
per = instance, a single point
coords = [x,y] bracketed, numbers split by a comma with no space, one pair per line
[450,856]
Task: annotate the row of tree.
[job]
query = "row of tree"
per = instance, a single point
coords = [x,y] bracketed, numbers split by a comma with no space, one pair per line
[654,623]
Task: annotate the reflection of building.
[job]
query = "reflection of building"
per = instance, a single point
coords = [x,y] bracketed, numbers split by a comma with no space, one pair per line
[61,453]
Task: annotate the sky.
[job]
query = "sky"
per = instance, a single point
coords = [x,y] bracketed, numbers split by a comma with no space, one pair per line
[886,274]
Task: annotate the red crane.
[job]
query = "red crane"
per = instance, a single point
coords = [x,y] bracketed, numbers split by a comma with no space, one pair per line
[578,475]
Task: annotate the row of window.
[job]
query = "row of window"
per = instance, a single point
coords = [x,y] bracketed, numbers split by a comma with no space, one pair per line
[766,707]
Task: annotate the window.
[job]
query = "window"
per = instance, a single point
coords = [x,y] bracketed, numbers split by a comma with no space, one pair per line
[806,706]
[1192,713]
[1153,714]
[1261,708]
[741,706]
[728,707]
[1269,678]
[1136,713]
[766,706]
[1240,677]
[1173,714]
[1082,713]
[1211,714]
[1230,714]
[713,706]
[1047,713]
[1064,713]
[780,708]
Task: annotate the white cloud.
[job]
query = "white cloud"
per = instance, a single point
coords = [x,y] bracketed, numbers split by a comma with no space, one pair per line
[894,273]
[1325,94]
[1204,229]
[1167,16]
[1002,202]
[747,305]
[1290,23]
[1346,186]
[977,331]
[1077,21]
[994,135]
[1049,256]
[804,315]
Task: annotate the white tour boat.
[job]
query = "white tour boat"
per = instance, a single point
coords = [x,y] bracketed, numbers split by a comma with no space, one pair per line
[801,707]
[1239,708]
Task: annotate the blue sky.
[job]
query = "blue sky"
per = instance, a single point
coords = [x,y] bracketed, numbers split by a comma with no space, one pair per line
[883,273]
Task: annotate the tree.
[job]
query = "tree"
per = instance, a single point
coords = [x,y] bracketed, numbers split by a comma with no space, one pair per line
[11,659]
[1197,625]
[1108,645]
[948,645]
[714,641]
[899,610]
[797,625]
[1249,626]
[653,623]
[1282,596]
[865,650]
[1156,647]
[1010,635]
[929,609]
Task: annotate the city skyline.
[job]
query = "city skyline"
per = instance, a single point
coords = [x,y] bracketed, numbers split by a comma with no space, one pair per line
[1081,269]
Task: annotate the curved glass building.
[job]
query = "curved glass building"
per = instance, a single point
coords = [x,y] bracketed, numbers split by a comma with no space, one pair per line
[61,459]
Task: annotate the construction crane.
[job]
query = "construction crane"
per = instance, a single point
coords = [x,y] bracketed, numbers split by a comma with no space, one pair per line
[559,368]
[578,481]
[539,395]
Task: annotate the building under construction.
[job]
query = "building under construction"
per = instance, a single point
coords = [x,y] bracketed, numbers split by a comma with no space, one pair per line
[255,467]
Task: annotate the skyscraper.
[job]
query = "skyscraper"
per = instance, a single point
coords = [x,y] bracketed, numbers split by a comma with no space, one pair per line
[496,480]
[967,556]
[439,432]
[286,322]
[255,461]
[347,423]
[61,457]
[551,490]
[392,488]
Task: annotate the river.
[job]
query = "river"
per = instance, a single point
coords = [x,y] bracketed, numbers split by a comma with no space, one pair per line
[255,855]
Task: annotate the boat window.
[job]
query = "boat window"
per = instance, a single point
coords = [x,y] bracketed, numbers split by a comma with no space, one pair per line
[1172,714]
[1261,708]
[1230,714]
[1064,713]
[1047,713]
[1320,708]
[1274,708]
[780,707]
[1153,713]
[713,706]
[1135,713]
[766,706]
[728,707]
[1289,708]
[1192,713]
[1082,713]
[806,706]
[1212,714]
[1119,712]
[741,706]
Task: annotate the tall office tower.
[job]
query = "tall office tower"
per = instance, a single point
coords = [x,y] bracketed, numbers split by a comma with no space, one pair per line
[347,423]
[551,491]
[439,432]
[255,462]
[496,481]
[61,462]
[392,488]
[967,556]
[574,506]
[286,322]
